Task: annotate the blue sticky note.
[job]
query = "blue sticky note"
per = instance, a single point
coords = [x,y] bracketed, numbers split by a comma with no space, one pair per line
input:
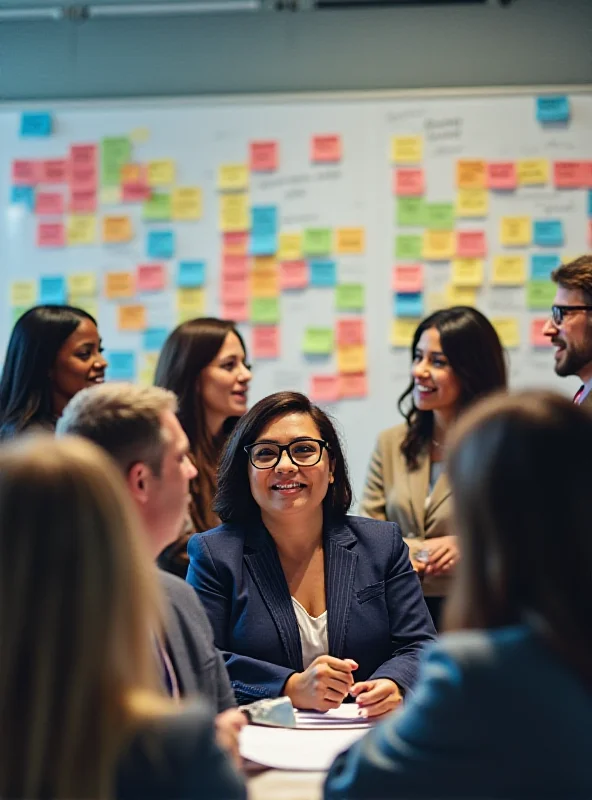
[548,232]
[23,196]
[542,265]
[263,244]
[122,365]
[408,305]
[154,338]
[160,244]
[323,272]
[52,289]
[191,274]
[36,123]
[553,108]
[264,221]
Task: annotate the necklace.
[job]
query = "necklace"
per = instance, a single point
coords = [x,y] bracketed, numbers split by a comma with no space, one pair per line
[437,444]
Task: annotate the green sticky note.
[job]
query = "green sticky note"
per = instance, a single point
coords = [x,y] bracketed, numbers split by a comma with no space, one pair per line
[349,297]
[317,242]
[439,216]
[540,294]
[158,207]
[265,310]
[318,341]
[407,247]
[411,211]
[115,152]
[17,312]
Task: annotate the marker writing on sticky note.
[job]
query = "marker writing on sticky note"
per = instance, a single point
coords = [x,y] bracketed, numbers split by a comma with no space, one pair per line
[552,108]
[36,123]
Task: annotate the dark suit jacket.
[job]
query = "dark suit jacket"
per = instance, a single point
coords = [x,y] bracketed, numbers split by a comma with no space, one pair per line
[198,665]
[376,613]
[494,715]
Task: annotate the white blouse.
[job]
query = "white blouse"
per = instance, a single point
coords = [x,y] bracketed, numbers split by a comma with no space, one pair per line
[313,633]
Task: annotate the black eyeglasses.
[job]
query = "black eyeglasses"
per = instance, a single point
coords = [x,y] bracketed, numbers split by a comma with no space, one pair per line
[301,452]
[558,312]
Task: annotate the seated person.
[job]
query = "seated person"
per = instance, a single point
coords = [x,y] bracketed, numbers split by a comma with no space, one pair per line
[304,600]
[503,707]
[84,713]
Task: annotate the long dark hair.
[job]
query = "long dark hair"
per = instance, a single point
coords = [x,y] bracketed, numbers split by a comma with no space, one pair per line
[519,468]
[25,386]
[473,349]
[189,348]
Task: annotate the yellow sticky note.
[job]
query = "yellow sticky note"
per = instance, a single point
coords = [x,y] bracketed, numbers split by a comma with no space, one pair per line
[438,245]
[406,149]
[190,303]
[186,203]
[403,330]
[23,293]
[263,263]
[509,271]
[117,229]
[350,240]
[160,172]
[110,196]
[233,177]
[131,318]
[532,172]
[88,304]
[81,229]
[435,301]
[234,212]
[460,295]
[467,272]
[351,358]
[139,135]
[119,284]
[471,173]
[472,203]
[265,283]
[147,369]
[290,246]
[82,284]
[508,330]
[515,231]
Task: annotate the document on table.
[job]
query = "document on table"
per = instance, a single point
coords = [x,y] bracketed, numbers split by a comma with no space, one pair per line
[346,716]
[294,749]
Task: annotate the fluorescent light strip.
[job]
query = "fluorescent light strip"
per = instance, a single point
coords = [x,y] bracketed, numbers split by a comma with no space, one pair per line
[170,9]
[30,14]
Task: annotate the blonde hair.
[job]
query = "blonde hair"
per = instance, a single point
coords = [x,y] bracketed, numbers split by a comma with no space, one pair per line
[79,613]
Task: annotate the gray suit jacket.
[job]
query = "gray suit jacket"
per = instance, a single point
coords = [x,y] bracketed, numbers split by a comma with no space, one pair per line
[198,665]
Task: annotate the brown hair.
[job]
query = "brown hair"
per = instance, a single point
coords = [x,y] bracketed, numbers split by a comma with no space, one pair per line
[519,468]
[576,275]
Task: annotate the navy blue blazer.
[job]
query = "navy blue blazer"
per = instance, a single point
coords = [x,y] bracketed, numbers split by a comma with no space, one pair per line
[376,613]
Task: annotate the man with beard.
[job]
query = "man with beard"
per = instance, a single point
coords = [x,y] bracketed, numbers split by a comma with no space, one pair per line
[570,325]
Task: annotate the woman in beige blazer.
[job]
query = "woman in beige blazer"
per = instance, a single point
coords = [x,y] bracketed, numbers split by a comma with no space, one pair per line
[456,358]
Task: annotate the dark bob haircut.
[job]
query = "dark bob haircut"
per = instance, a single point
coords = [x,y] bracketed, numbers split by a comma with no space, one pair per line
[234,501]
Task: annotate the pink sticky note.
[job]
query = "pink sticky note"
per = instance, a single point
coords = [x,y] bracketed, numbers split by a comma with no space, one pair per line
[234,288]
[83,177]
[293,275]
[83,155]
[150,278]
[25,172]
[51,234]
[587,174]
[266,341]
[48,203]
[471,244]
[353,384]
[408,182]
[569,174]
[236,310]
[324,388]
[54,170]
[135,192]
[83,201]
[350,331]
[325,149]
[263,156]
[536,333]
[235,242]
[501,175]
[236,266]
[407,278]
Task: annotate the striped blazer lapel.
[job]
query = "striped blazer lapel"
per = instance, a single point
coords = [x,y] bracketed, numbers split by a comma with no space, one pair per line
[340,570]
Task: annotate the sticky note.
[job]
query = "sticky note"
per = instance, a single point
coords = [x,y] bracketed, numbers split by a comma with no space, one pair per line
[115,152]
[25,172]
[235,265]
[325,149]
[264,263]
[471,244]
[467,272]
[439,216]
[402,331]
[293,275]
[501,175]
[350,297]
[88,304]
[122,365]
[351,358]
[548,232]
[82,283]
[135,193]
[83,155]
[233,177]
[110,195]
[191,274]
[234,212]
[569,174]
[264,220]
[51,234]
[265,283]
[16,313]
[406,149]
[81,229]
[82,201]
[509,271]
[460,295]
[408,305]
[508,330]
[472,203]
[542,265]
[23,196]
[131,318]
[590,204]
[317,241]
[350,332]
[323,272]
[160,172]
[265,310]
[540,294]
[150,278]
[49,204]
[160,244]
[147,371]
[186,203]
[263,156]
[408,247]
[439,245]
[289,246]
[515,231]
[235,310]
[408,182]
[235,243]
[190,303]
[533,172]
[83,167]
[36,123]
[411,212]
[234,287]
[318,341]
[132,173]
[23,293]
[471,173]
[537,337]
[262,244]
[407,278]
[140,135]
[265,341]
[350,241]
[353,385]
[158,207]
[53,289]
[324,388]
[117,230]
[119,285]
[552,108]
[53,170]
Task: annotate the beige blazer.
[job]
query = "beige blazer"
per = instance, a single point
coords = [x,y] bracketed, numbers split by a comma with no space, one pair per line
[393,492]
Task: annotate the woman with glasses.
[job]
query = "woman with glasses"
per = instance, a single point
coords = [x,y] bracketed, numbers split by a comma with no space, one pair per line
[305,601]
[204,362]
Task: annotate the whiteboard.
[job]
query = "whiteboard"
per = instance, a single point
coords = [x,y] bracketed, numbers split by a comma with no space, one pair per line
[202,135]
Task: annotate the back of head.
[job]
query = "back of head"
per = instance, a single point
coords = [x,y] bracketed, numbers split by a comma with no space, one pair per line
[576,275]
[520,475]
[76,606]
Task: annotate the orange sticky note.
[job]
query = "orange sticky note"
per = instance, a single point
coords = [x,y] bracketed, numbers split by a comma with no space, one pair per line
[350,241]
[351,358]
[324,388]
[293,275]
[263,156]
[132,173]
[265,341]
[471,244]
[265,283]
[235,265]
[537,339]
[350,332]
[325,149]
[51,234]
[235,310]
[501,175]
[150,278]
[569,174]
[408,182]
[471,173]
[235,242]
[131,318]
[353,385]
[49,203]
[119,284]
[234,288]
[407,278]
[117,229]
[53,170]
[25,172]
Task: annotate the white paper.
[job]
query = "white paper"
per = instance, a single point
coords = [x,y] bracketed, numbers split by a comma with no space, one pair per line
[346,716]
[293,749]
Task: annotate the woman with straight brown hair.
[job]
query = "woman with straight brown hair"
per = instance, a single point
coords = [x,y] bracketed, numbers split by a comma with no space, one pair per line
[503,707]
[83,711]
[204,362]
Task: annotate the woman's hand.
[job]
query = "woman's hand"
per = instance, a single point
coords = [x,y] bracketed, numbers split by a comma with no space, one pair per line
[444,554]
[322,685]
[376,697]
[228,726]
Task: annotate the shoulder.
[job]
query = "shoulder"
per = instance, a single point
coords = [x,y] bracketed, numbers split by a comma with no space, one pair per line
[223,545]
[176,589]
[390,440]
[374,534]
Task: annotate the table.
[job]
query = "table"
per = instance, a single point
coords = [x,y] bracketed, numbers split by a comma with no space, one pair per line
[277,784]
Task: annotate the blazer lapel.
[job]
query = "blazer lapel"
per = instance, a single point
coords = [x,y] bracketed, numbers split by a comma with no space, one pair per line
[340,569]
[418,481]
[441,492]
